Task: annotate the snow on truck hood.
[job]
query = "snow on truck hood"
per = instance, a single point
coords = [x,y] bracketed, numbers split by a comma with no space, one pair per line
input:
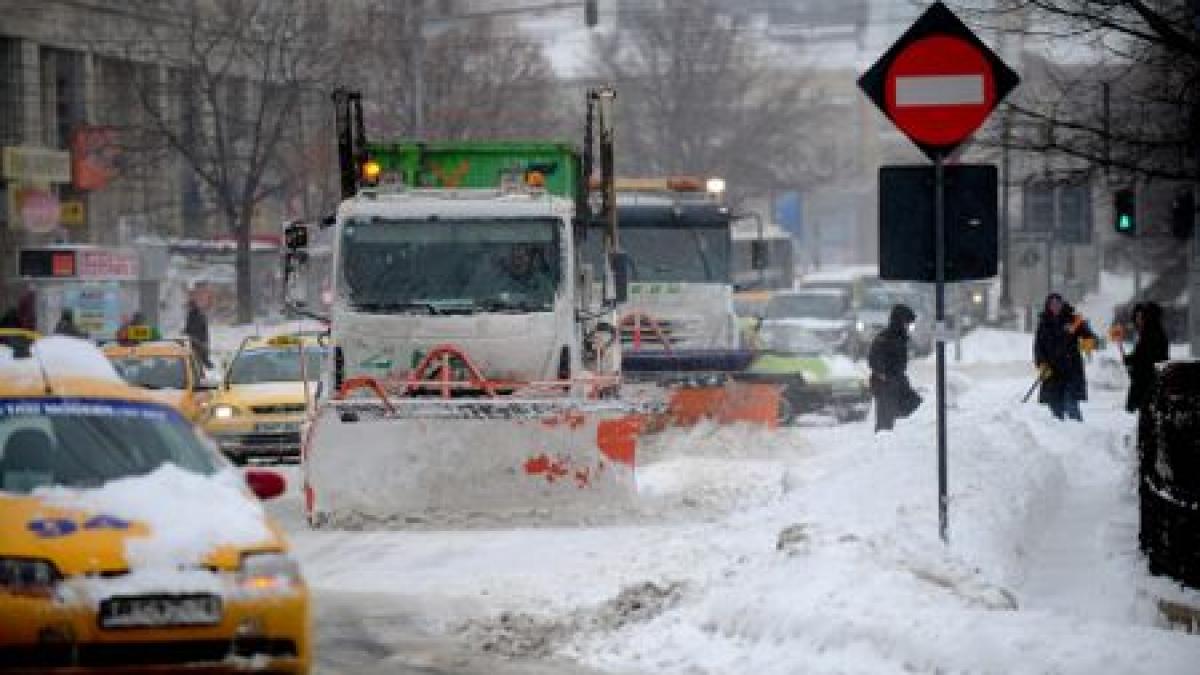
[157,526]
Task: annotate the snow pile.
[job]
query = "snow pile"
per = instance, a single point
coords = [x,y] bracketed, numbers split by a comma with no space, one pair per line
[515,634]
[58,356]
[189,515]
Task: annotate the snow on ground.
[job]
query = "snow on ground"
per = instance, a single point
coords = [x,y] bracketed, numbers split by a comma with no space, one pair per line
[816,550]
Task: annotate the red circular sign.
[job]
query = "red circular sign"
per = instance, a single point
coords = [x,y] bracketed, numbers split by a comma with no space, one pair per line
[939,90]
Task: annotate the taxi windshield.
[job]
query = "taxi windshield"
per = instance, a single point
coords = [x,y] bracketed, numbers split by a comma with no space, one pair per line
[88,442]
[153,372]
[254,366]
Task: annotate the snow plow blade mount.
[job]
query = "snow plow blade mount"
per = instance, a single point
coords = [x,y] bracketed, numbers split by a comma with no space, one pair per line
[401,460]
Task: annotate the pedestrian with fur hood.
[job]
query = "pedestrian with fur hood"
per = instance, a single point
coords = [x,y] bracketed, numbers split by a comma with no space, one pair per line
[1056,355]
[1150,349]
[888,361]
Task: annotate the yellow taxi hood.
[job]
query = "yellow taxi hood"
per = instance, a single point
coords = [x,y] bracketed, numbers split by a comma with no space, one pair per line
[264,393]
[168,519]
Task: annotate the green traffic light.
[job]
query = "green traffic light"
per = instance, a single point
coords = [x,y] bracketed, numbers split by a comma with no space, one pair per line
[1125,222]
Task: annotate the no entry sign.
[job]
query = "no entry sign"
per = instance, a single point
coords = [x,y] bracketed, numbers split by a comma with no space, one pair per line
[938,82]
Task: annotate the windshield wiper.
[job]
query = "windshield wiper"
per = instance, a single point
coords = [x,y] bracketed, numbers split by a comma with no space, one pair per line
[396,307]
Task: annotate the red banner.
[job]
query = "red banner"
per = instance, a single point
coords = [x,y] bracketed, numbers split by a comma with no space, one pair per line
[94,154]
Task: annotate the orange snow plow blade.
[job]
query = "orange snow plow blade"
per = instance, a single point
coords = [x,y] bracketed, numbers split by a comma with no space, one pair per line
[727,404]
[399,460]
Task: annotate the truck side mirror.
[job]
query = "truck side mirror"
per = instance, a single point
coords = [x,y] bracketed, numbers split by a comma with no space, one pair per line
[619,262]
[759,258]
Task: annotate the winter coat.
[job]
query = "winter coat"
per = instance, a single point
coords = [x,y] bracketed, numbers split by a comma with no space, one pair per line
[1151,348]
[888,361]
[196,328]
[1056,345]
[68,327]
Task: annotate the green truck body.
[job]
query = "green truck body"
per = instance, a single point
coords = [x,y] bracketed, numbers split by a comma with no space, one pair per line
[479,164]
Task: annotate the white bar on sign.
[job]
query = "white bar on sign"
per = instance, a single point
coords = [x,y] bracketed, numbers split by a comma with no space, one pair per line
[940,90]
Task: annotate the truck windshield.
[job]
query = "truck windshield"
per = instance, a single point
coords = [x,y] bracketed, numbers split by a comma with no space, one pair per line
[669,241]
[424,266]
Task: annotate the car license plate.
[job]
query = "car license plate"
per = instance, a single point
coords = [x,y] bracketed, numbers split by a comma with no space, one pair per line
[277,427]
[200,609]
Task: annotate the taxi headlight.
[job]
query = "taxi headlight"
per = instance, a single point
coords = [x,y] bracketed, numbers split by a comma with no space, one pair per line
[27,576]
[224,411]
[268,572]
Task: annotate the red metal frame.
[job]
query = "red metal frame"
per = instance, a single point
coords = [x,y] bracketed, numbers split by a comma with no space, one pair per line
[637,318]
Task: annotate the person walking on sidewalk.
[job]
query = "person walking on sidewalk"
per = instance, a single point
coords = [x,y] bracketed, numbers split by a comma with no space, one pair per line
[1061,333]
[888,361]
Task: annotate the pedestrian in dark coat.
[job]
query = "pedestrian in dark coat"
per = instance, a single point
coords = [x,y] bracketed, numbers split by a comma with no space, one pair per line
[1151,348]
[888,361]
[67,326]
[196,328]
[1056,355]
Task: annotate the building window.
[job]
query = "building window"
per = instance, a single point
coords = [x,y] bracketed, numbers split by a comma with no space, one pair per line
[62,95]
[11,113]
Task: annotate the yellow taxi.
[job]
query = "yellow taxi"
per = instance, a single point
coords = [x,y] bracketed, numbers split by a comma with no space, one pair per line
[168,369]
[18,340]
[126,541]
[257,411]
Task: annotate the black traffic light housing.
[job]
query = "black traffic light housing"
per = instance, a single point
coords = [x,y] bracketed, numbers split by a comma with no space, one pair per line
[1125,211]
[591,14]
[1183,214]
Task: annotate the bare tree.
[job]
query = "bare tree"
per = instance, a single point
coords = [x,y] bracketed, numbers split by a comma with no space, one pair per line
[1146,55]
[230,82]
[456,77]
[699,96]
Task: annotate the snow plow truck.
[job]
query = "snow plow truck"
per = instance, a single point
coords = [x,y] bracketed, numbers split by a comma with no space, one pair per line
[680,339]
[474,367]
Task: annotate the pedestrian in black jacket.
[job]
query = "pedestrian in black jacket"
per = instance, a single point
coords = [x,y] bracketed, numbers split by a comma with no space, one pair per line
[1057,357]
[195,326]
[67,326]
[1151,348]
[888,361]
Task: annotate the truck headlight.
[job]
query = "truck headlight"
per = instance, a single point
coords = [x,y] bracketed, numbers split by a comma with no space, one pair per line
[28,576]
[224,411]
[860,326]
[268,572]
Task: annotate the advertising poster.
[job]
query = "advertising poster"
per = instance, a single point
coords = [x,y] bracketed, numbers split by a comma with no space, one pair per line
[97,307]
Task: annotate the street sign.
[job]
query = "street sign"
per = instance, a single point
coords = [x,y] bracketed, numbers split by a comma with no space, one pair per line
[938,82]
[907,239]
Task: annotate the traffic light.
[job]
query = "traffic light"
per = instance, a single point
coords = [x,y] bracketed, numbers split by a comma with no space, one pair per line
[1124,211]
[591,14]
[1183,214]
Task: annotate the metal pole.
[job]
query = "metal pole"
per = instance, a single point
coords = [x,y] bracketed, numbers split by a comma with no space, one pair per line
[1005,237]
[939,206]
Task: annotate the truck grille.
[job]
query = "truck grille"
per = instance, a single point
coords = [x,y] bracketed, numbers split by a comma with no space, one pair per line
[673,330]
[281,409]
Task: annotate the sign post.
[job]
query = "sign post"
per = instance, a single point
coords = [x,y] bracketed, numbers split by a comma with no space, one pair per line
[938,83]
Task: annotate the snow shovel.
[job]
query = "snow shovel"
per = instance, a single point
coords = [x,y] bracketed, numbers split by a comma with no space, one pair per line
[1038,380]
